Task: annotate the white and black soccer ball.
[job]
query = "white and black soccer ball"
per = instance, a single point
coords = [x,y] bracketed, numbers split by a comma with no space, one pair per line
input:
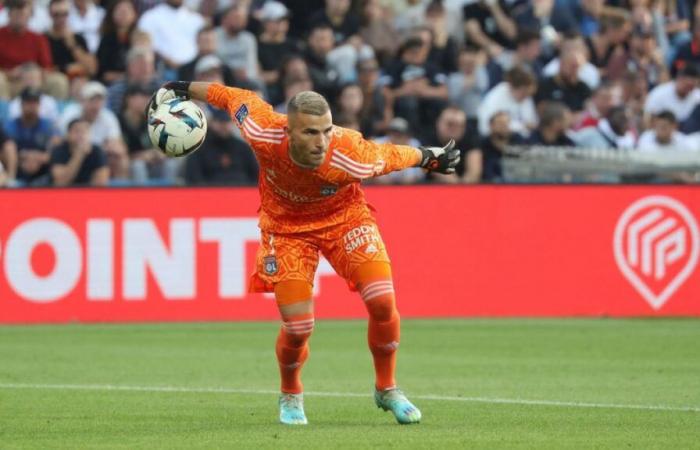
[177,127]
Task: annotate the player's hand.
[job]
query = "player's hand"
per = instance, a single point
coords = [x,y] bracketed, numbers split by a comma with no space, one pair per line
[169,91]
[440,159]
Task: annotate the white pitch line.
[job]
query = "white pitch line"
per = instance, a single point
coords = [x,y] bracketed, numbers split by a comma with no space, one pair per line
[221,390]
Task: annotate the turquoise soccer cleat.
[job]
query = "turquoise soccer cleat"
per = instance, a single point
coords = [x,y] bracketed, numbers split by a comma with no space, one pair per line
[292,409]
[395,401]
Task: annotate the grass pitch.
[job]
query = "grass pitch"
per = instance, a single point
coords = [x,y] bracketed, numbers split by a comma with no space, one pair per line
[480,383]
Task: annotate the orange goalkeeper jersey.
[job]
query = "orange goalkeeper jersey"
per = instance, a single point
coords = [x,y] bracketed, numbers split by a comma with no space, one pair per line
[294,199]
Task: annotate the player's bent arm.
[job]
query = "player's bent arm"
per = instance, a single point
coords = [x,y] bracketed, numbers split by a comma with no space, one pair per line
[391,157]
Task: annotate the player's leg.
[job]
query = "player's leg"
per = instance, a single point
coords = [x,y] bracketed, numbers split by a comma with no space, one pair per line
[292,349]
[286,266]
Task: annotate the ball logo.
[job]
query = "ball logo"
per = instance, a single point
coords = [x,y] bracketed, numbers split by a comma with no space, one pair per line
[656,247]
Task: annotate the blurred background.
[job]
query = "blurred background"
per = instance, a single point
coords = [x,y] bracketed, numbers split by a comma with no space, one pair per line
[553,91]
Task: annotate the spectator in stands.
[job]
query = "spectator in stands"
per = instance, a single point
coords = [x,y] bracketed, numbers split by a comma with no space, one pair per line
[376,111]
[444,49]
[378,31]
[398,132]
[408,15]
[39,21]
[115,40]
[206,45]
[223,158]
[527,53]
[8,158]
[30,76]
[293,84]
[664,135]
[237,47]
[104,127]
[78,161]
[598,106]
[555,119]
[514,96]
[140,71]
[565,86]
[550,17]
[588,73]
[337,15]
[19,45]
[274,42]
[173,29]
[675,17]
[494,144]
[69,50]
[467,87]
[350,102]
[86,18]
[611,133]
[607,48]
[452,124]
[680,96]
[324,76]
[646,58]
[489,25]
[148,164]
[688,53]
[588,15]
[34,137]
[417,87]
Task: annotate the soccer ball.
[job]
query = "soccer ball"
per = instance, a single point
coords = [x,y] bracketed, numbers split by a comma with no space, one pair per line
[177,127]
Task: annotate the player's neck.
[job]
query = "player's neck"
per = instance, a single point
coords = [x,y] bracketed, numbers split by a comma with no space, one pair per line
[302,165]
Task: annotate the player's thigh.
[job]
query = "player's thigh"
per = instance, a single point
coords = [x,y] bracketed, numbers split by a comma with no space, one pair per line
[354,244]
[284,257]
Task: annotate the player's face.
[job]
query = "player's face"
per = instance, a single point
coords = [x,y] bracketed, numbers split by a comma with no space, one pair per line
[309,137]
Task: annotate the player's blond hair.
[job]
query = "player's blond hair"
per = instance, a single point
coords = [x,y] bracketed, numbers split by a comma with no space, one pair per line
[308,102]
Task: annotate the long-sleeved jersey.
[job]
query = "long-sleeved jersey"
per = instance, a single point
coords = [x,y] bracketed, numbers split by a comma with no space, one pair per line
[295,199]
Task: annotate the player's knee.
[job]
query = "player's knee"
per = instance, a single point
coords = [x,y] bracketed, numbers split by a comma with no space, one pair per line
[382,308]
[297,331]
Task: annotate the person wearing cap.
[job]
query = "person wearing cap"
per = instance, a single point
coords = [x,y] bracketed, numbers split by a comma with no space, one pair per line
[104,126]
[31,75]
[680,95]
[224,158]
[34,136]
[274,43]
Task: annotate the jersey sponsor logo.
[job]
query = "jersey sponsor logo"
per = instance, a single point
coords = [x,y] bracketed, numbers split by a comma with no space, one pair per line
[371,248]
[656,247]
[327,191]
[361,236]
[241,114]
[270,264]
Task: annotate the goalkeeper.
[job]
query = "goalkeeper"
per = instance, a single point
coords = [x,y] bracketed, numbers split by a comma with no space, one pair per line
[311,203]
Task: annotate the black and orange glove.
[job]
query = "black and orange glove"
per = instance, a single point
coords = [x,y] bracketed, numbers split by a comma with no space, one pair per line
[440,159]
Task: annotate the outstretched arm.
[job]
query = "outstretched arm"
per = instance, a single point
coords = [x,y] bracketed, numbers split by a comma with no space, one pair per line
[389,157]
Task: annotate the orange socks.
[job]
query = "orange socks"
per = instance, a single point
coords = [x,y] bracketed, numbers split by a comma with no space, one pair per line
[292,350]
[294,301]
[384,327]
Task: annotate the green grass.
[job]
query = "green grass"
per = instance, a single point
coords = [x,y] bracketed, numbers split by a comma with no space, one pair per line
[606,362]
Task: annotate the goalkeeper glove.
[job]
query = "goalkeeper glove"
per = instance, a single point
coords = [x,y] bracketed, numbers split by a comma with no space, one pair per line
[170,90]
[440,159]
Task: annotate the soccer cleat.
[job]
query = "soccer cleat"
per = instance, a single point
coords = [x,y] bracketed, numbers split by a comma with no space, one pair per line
[395,401]
[292,409]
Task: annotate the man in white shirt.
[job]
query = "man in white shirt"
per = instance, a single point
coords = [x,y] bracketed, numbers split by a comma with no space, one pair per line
[236,47]
[664,136]
[513,96]
[173,29]
[104,126]
[679,96]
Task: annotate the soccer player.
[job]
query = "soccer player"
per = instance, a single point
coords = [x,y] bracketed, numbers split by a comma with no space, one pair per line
[310,174]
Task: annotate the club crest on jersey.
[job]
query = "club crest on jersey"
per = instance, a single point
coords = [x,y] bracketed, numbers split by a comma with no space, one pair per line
[270,264]
[241,114]
[327,191]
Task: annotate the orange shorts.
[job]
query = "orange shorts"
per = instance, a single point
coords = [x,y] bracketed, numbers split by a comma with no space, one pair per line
[284,257]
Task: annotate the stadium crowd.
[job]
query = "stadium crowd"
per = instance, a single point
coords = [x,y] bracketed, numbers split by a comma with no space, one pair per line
[76,76]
